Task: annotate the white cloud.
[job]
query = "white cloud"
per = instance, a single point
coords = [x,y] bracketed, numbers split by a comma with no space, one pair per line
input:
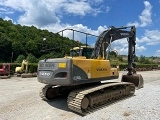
[96,1]
[6,11]
[157,53]
[7,18]
[145,17]
[108,9]
[77,8]
[13,4]
[79,27]
[151,37]
[39,16]
[121,50]
[121,46]
[140,48]
[45,12]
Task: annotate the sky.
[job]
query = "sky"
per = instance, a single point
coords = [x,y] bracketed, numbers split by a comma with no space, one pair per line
[91,16]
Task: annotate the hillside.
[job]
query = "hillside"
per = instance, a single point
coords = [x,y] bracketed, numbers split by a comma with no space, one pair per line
[20,41]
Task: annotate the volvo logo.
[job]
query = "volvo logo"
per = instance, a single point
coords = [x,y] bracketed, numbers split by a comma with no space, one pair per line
[124,34]
[101,69]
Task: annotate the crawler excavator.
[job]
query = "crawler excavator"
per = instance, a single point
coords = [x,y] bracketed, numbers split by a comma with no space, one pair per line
[80,75]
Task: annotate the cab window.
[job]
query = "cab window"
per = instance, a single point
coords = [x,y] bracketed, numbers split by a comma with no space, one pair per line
[87,52]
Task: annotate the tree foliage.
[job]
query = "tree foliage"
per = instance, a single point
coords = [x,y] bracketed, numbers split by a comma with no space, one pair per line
[5,48]
[20,58]
[28,41]
[145,60]
[31,58]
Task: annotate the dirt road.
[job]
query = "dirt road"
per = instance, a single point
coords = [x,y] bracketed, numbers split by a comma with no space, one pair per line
[19,100]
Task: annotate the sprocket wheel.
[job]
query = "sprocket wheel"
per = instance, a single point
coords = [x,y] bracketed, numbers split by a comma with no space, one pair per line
[48,92]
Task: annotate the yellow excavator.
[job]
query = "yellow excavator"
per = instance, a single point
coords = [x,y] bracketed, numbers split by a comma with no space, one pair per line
[80,75]
[21,69]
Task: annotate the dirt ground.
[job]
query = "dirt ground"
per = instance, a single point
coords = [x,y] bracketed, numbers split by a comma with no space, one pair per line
[19,100]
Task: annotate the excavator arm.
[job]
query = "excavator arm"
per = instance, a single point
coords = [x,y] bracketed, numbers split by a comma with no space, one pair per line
[112,34]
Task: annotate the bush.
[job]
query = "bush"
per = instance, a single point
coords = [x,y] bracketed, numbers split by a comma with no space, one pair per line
[140,66]
[33,67]
[31,58]
[20,58]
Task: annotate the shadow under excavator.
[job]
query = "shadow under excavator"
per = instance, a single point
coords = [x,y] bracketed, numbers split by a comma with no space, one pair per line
[60,103]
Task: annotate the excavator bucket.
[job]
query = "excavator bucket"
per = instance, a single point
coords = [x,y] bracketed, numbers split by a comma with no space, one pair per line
[136,79]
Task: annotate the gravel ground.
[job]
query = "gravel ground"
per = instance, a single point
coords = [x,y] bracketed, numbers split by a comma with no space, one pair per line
[19,100]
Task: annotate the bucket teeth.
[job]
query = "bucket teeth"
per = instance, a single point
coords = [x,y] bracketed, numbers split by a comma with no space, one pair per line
[136,79]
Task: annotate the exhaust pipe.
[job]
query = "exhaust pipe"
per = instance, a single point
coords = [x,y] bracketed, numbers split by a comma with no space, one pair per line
[136,79]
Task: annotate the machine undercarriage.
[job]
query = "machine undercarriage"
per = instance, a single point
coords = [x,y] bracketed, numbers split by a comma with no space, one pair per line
[86,99]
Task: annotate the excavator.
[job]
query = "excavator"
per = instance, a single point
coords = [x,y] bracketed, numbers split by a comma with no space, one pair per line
[21,69]
[5,70]
[80,76]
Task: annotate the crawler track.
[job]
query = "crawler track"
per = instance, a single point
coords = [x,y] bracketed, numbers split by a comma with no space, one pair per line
[49,92]
[84,101]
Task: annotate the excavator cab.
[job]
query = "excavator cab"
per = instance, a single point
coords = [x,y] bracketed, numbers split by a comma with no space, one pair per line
[85,51]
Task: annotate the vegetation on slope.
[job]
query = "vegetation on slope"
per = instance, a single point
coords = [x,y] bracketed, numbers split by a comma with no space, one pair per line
[18,42]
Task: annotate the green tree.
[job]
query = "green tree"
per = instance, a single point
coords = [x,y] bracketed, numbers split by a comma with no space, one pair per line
[120,58]
[136,58]
[5,49]
[147,61]
[32,47]
[18,48]
[31,58]
[20,58]
[142,59]
[22,40]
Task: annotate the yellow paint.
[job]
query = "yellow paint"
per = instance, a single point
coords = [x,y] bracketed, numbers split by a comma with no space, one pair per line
[20,69]
[62,65]
[96,68]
